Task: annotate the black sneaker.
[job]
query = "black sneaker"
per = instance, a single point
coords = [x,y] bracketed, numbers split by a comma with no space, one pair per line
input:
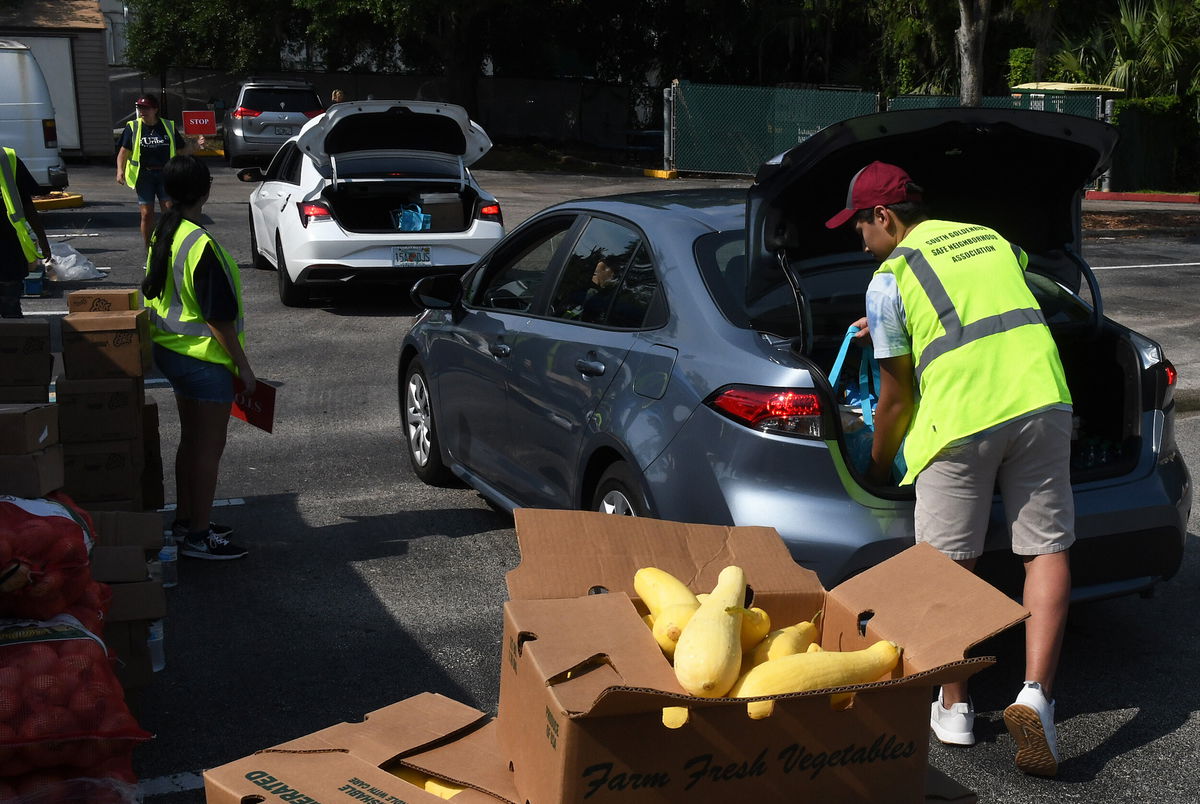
[179,531]
[211,547]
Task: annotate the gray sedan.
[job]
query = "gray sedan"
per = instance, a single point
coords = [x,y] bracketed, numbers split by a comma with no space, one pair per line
[668,354]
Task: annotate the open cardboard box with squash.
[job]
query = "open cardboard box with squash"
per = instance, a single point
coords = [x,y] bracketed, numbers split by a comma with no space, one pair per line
[583,682]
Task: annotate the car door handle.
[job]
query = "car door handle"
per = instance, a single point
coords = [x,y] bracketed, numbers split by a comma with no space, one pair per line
[592,368]
[500,349]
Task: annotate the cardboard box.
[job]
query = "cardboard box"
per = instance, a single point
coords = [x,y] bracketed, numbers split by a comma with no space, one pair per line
[119,564]
[153,493]
[106,345]
[25,352]
[143,600]
[24,394]
[126,528]
[583,683]
[34,474]
[103,301]
[103,470]
[428,732]
[115,506]
[27,428]
[128,643]
[99,410]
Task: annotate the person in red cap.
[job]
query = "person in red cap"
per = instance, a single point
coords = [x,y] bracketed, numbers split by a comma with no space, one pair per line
[972,389]
[146,143]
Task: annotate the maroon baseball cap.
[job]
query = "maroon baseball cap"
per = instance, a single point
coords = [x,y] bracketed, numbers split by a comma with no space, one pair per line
[878,184]
[147,100]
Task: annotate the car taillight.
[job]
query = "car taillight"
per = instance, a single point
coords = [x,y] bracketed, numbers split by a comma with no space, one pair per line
[772,410]
[314,113]
[312,211]
[50,133]
[1166,375]
[242,111]
[491,212]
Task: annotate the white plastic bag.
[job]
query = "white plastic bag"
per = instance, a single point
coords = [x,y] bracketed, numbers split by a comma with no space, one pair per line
[68,265]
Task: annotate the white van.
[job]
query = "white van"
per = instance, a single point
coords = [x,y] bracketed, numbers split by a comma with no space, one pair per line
[27,115]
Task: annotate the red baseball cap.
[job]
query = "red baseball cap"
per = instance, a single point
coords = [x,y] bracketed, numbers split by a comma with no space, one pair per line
[878,184]
[147,100]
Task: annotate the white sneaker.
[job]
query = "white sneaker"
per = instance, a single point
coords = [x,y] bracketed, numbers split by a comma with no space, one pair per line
[953,726]
[1030,721]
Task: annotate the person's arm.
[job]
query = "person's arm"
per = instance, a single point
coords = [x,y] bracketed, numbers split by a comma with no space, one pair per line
[226,334]
[124,152]
[893,414]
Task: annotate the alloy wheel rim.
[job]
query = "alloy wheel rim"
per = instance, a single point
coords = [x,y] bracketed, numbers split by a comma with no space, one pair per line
[614,502]
[417,408]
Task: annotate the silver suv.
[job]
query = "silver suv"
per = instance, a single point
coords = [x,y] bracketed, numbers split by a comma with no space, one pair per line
[266,114]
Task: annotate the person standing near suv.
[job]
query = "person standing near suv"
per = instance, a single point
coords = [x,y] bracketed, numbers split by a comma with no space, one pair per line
[22,238]
[146,144]
[972,383]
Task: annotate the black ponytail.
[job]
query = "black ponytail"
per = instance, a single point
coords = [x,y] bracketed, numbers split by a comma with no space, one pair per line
[186,180]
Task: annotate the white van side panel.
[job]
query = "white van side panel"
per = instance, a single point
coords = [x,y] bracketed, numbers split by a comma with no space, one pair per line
[53,55]
[24,104]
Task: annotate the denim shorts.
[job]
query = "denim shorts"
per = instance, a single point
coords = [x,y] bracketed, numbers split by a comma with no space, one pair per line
[150,185]
[195,379]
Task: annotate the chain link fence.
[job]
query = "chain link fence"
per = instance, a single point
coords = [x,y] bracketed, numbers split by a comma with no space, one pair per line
[734,129]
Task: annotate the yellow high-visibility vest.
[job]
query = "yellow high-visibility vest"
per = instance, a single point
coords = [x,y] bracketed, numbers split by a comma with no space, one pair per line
[134,162]
[15,208]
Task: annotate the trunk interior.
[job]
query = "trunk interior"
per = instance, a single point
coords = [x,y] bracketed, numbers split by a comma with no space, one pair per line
[375,206]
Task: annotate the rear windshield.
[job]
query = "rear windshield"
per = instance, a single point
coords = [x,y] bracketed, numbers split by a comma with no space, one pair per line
[281,100]
[388,166]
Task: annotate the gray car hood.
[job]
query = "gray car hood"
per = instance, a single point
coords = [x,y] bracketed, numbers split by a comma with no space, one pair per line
[1020,172]
[408,127]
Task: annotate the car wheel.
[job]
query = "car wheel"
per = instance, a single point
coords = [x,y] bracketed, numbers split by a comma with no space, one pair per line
[256,258]
[420,432]
[291,294]
[617,492]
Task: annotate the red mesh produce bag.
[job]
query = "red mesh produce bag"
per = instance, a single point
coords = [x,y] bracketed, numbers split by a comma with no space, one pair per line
[44,549]
[43,787]
[61,706]
[92,607]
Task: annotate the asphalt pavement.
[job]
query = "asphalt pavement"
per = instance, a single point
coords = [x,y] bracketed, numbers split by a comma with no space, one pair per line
[364,586]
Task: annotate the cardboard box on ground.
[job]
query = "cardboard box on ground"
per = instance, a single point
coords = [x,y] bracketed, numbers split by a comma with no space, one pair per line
[583,684]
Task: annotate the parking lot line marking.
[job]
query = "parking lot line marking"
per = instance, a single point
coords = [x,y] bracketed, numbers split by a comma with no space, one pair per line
[73,234]
[175,783]
[1154,265]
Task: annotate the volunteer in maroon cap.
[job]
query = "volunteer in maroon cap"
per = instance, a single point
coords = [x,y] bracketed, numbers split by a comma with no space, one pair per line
[146,143]
[973,391]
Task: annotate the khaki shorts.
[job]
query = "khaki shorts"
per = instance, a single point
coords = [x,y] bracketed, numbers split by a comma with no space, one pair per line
[1030,460]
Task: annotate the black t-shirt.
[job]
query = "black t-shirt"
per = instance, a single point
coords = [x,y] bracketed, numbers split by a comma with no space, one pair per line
[214,294]
[156,148]
[13,265]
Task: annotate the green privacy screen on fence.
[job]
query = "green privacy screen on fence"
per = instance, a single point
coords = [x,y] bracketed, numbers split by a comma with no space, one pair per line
[734,129]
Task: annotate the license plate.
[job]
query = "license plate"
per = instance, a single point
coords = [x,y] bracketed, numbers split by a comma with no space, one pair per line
[411,256]
[283,131]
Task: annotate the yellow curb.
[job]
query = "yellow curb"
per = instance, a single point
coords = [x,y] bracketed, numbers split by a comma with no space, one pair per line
[661,174]
[217,152]
[58,201]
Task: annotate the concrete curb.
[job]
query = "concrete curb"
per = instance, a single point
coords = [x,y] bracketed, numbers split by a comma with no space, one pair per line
[1154,198]
[1161,230]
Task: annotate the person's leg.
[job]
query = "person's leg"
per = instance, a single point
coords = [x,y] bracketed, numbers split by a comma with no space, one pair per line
[1047,596]
[212,425]
[10,298]
[148,220]
[185,457]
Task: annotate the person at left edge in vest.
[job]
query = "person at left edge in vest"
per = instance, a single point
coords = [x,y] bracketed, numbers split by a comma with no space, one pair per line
[146,143]
[22,238]
[972,385]
[193,292]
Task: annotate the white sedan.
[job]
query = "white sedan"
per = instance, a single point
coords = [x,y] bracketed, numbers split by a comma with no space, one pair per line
[372,191]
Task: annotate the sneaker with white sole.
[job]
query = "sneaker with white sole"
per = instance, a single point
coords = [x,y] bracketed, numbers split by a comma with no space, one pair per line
[210,546]
[179,530]
[1030,721]
[953,725]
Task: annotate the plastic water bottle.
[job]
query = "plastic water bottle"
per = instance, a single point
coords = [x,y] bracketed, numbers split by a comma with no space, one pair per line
[158,656]
[168,559]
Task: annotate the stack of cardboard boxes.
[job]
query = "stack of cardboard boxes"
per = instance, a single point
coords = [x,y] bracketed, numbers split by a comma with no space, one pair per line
[583,687]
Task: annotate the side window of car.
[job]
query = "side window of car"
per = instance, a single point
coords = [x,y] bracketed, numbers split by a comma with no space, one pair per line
[515,274]
[290,172]
[607,279]
[277,162]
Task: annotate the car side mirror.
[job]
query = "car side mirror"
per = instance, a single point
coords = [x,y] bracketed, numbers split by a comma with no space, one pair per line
[437,292]
[251,174]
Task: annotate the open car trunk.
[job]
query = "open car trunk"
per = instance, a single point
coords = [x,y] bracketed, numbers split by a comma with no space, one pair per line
[376,206]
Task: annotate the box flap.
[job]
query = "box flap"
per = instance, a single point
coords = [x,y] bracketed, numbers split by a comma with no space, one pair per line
[102,322]
[560,637]
[118,564]
[928,604]
[564,554]
[408,725]
[474,760]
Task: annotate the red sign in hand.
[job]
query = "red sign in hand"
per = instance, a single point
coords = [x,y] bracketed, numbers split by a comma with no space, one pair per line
[257,409]
[202,122]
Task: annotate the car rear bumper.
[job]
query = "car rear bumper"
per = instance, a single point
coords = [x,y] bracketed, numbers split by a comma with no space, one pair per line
[335,274]
[334,255]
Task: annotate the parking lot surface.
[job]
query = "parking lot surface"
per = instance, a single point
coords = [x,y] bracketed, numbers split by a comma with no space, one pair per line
[364,586]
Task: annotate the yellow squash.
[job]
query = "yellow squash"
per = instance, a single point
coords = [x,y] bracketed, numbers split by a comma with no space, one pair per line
[669,625]
[756,624]
[779,643]
[659,589]
[708,654]
[804,672]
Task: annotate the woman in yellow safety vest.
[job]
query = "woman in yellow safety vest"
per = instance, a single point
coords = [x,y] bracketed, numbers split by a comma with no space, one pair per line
[193,293]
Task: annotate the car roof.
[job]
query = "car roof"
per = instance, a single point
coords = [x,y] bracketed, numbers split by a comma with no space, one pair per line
[716,209]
